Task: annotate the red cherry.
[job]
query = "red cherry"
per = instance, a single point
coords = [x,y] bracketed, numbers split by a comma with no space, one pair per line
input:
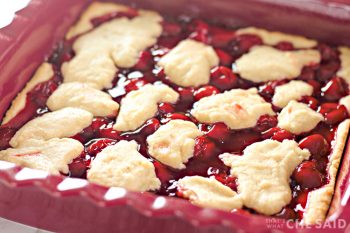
[326,131]
[307,74]
[310,101]
[307,175]
[205,91]
[265,122]
[186,99]
[204,128]
[186,94]
[243,43]
[84,136]
[322,164]
[150,126]
[220,38]
[201,31]
[162,172]
[174,116]
[134,84]
[283,134]
[239,140]
[285,46]
[204,148]
[145,61]
[301,198]
[326,71]
[300,202]
[170,28]
[278,134]
[160,74]
[219,132]
[270,132]
[109,133]
[268,89]
[6,133]
[225,58]
[42,91]
[336,116]
[316,86]
[98,145]
[223,78]
[100,123]
[168,42]
[316,144]
[334,89]
[287,213]
[78,167]
[325,108]
[327,53]
[227,180]
[165,108]
[150,77]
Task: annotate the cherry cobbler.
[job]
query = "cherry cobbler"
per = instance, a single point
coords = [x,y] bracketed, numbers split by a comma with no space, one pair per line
[244,120]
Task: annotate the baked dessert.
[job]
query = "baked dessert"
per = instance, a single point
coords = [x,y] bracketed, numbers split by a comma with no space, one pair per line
[234,119]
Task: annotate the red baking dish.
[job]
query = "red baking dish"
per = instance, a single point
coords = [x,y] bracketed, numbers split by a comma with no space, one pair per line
[72,205]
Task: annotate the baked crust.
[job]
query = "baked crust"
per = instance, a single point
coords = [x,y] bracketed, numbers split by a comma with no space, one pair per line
[94,10]
[320,199]
[42,74]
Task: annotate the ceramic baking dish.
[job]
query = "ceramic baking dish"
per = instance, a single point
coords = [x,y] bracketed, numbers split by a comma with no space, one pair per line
[71,205]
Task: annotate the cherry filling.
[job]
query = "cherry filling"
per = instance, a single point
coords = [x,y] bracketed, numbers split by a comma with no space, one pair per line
[130,13]
[217,138]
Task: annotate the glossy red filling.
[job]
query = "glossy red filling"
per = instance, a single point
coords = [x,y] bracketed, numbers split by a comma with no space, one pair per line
[309,175]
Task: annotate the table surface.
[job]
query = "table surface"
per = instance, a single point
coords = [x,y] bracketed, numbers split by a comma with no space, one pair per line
[7,226]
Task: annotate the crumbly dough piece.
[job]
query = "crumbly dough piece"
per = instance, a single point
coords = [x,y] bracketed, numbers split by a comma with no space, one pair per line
[90,67]
[264,63]
[273,38]
[189,63]
[298,118]
[293,90]
[263,173]
[53,155]
[116,43]
[173,143]
[208,192]
[140,105]
[82,95]
[237,108]
[42,74]
[121,165]
[59,124]
[95,9]
[344,70]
